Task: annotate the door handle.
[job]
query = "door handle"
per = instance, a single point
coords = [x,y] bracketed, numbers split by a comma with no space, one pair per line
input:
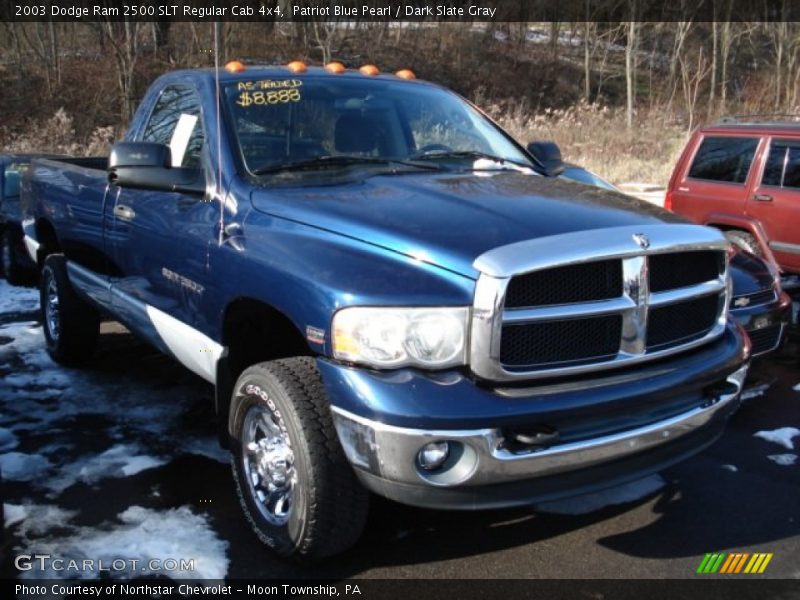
[762,198]
[123,212]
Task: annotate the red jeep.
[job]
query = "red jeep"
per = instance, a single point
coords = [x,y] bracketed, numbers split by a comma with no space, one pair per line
[744,178]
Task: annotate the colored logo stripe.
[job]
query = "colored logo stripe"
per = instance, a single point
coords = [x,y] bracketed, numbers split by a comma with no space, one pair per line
[735,562]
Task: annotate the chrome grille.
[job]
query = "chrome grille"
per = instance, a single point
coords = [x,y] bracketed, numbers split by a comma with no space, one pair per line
[632,301]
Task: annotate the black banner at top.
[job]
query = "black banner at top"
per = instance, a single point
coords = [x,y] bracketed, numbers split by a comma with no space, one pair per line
[399,10]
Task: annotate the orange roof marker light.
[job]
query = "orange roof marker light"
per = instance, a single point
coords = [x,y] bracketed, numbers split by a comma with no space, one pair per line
[335,67]
[405,74]
[235,66]
[297,66]
[369,70]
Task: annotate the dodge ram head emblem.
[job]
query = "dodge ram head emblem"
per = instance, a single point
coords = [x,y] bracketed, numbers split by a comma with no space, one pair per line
[642,240]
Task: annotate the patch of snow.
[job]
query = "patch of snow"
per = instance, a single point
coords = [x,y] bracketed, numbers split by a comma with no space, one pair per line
[785,460]
[755,391]
[18,466]
[731,468]
[208,447]
[782,437]
[17,299]
[122,460]
[7,439]
[14,513]
[38,519]
[141,535]
[622,494]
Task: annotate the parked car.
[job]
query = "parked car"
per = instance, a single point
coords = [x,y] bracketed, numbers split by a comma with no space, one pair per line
[388,295]
[744,178]
[16,264]
[758,303]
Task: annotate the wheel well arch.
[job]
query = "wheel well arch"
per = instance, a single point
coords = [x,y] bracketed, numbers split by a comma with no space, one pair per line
[47,238]
[252,332]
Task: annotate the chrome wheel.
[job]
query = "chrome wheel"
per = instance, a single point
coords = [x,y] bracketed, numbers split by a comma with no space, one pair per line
[51,312]
[268,462]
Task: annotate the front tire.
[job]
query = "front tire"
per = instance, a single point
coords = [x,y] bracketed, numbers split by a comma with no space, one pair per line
[71,326]
[295,484]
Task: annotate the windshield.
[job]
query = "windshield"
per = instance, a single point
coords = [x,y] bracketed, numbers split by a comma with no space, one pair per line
[288,122]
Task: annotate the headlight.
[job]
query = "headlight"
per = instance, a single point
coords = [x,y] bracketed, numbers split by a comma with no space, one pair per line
[398,337]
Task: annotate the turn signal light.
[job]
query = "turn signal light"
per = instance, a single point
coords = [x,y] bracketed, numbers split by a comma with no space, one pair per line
[405,74]
[297,66]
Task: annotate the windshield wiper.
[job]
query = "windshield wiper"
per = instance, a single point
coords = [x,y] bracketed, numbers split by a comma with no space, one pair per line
[340,161]
[476,154]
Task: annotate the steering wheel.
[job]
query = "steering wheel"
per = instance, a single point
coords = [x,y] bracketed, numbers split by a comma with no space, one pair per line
[434,148]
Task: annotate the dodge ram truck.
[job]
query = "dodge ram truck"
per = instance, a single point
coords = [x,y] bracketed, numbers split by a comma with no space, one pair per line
[389,294]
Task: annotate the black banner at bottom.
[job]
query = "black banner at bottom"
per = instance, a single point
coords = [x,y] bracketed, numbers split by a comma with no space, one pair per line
[716,588]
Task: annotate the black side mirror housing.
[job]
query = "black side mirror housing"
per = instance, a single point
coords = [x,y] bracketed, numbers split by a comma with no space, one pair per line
[549,154]
[147,165]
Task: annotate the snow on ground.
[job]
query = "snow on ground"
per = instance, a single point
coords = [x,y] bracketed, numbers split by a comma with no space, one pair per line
[7,439]
[785,460]
[38,519]
[629,492]
[134,425]
[139,534]
[17,299]
[122,460]
[782,436]
[19,466]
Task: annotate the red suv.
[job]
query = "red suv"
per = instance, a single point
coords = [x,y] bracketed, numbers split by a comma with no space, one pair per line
[744,178]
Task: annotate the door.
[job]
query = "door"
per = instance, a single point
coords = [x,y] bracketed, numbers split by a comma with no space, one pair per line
[161,240]
[716,179]
[775,202]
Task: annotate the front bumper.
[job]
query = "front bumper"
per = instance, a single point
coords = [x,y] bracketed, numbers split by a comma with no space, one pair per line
[485,471]
[765,324]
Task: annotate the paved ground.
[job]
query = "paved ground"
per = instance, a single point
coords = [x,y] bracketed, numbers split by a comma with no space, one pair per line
[120,460]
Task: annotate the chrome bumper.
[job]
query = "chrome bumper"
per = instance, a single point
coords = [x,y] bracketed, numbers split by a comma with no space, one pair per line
[389,453]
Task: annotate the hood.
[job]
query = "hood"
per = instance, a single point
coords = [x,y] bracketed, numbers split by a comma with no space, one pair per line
[450,219]
[749,274]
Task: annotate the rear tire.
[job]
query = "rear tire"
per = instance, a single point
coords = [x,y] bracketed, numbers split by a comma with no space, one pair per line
[745,241]
[71,326]
[18,268]
[295,484]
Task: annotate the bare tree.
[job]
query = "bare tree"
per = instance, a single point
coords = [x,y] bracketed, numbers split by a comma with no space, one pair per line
[124,40]
[692,75]
[630,49]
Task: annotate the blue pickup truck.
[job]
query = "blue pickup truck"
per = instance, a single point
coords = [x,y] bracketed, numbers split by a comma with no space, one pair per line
[389,294]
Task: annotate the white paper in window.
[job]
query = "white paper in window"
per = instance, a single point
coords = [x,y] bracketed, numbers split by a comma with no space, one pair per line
[180,138]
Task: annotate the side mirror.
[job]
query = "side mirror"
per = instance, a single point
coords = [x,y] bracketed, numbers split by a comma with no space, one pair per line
[146,165]
[549,154]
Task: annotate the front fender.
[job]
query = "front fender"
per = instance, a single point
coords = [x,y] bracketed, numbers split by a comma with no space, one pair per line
[307,274]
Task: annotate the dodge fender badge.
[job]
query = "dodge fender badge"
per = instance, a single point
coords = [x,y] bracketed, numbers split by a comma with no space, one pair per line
[642,240]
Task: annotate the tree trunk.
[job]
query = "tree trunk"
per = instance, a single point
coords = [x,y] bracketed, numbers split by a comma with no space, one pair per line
[629,67]
[587,61]
[714,51]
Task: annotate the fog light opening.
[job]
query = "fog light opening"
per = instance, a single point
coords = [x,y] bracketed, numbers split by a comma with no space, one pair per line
[433,455]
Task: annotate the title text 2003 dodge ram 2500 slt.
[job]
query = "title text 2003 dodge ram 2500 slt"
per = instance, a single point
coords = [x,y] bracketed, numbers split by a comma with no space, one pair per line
[389,294]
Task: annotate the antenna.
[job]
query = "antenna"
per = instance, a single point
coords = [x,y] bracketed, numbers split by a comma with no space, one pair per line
[219,193]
